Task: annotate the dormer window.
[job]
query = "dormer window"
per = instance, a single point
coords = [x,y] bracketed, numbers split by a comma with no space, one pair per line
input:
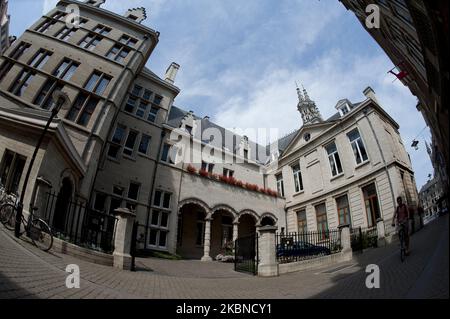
[344,109]
[189,129]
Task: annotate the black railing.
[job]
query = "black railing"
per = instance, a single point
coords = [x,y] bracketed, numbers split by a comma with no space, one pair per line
[296,246]
[363,237]
[246,254]
[75,222]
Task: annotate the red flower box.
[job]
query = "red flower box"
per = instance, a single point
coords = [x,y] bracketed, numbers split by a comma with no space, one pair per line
[203,173]
[191,169]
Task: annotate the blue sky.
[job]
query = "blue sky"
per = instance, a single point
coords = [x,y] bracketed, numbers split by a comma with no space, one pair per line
[240,60]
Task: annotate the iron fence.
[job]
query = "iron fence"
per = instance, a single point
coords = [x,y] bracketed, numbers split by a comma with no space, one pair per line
[75,222]
[297,246]
[246,254]
[363,237]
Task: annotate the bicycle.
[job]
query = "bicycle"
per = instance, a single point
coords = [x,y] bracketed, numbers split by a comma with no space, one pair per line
[401,237]
[36,229]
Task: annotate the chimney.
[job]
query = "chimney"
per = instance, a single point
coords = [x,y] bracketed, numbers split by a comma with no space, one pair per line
[370,94]
[171,72]
[206,117]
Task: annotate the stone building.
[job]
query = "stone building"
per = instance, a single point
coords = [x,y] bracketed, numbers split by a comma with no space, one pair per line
[414,34]
[5,39]
[193,185]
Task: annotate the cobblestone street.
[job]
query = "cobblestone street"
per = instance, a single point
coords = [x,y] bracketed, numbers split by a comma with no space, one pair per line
[26,272]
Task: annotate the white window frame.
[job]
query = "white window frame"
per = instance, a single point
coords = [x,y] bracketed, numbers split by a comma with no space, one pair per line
[332,159]
[355,141]
[298,180]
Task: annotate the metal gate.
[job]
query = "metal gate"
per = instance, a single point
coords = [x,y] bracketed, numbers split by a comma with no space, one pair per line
[246,254]
[362,238]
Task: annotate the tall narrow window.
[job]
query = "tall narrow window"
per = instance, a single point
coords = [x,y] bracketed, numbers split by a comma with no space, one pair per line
[66,69]
[65,34]
[144,144]
[168,153]
[333,157]
[131,104]
[40,59]
[142,108]
[85,104]
[22,82]
[358,146]
[90,41]
[322,222]
[130,142]
[280,184]
[45,97]
[45,26]
[11,168]
[20,50]
[371,203]
[116,141]
[133,190]
[343,210]
[147,95]
[103,30]
[152,114]
[137,90]
[157,100]
[301,221]
[298,182]
[127,40]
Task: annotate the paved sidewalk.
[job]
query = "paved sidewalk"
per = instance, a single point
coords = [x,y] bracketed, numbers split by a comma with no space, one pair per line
[26,272]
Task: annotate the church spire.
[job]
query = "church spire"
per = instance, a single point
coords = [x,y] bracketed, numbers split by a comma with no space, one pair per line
[307,108]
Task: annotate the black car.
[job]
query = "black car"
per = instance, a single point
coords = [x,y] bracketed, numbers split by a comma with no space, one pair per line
[298,249]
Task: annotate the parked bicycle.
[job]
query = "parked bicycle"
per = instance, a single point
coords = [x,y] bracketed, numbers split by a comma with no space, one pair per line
[35,228]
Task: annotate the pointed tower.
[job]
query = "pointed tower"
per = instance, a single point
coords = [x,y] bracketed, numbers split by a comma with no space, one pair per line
[307,108]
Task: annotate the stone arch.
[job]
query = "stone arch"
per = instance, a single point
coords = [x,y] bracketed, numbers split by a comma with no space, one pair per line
[196,201]
[224,207]
[67,175]
[269,216]
[248,212]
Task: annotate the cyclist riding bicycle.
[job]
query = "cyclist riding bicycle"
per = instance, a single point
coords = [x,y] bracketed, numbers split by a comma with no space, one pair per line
[401,216]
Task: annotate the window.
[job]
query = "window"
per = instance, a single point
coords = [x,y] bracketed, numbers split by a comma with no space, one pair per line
[280,185]
[298,182]
[45,96]
[333,157]
[322,222]
[133,190]
[130,142]
[45,26]
[19,50]
[65,34]
[59,15]
[90,41]
[66,69]
[142,108]
[118,190]
[343,210]
[11,169]
[162,199]
[371,204]
[168,153]
[188,129]
[157,100]
[147,95]
[100,202]
[85,104]
[116,141]
[301,221]
[118,53]
[102,29]
[98,82]
[131,104]
[152,114]
[207,167]
[128,40]
[228,172]
[144,144]
[22,82]
[137,90]
[40,59]
[246,154]
[358,146]
[5,68]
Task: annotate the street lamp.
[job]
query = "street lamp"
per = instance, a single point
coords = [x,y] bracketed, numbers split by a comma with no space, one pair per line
[61,100]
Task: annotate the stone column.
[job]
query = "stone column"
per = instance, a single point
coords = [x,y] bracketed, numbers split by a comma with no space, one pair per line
[235,231]
[267,264]
[381,241]
[207,241]
[123,238]
[346,243]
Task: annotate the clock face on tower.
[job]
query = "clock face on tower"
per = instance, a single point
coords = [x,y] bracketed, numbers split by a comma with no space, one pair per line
[306,136]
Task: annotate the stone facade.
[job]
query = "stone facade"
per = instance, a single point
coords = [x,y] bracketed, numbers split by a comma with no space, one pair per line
[193,186]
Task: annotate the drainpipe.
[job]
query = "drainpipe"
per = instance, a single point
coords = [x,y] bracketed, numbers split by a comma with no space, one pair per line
[382,155]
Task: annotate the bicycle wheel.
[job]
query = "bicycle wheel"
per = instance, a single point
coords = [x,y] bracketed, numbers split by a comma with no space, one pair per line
[8,216]
[41,234]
